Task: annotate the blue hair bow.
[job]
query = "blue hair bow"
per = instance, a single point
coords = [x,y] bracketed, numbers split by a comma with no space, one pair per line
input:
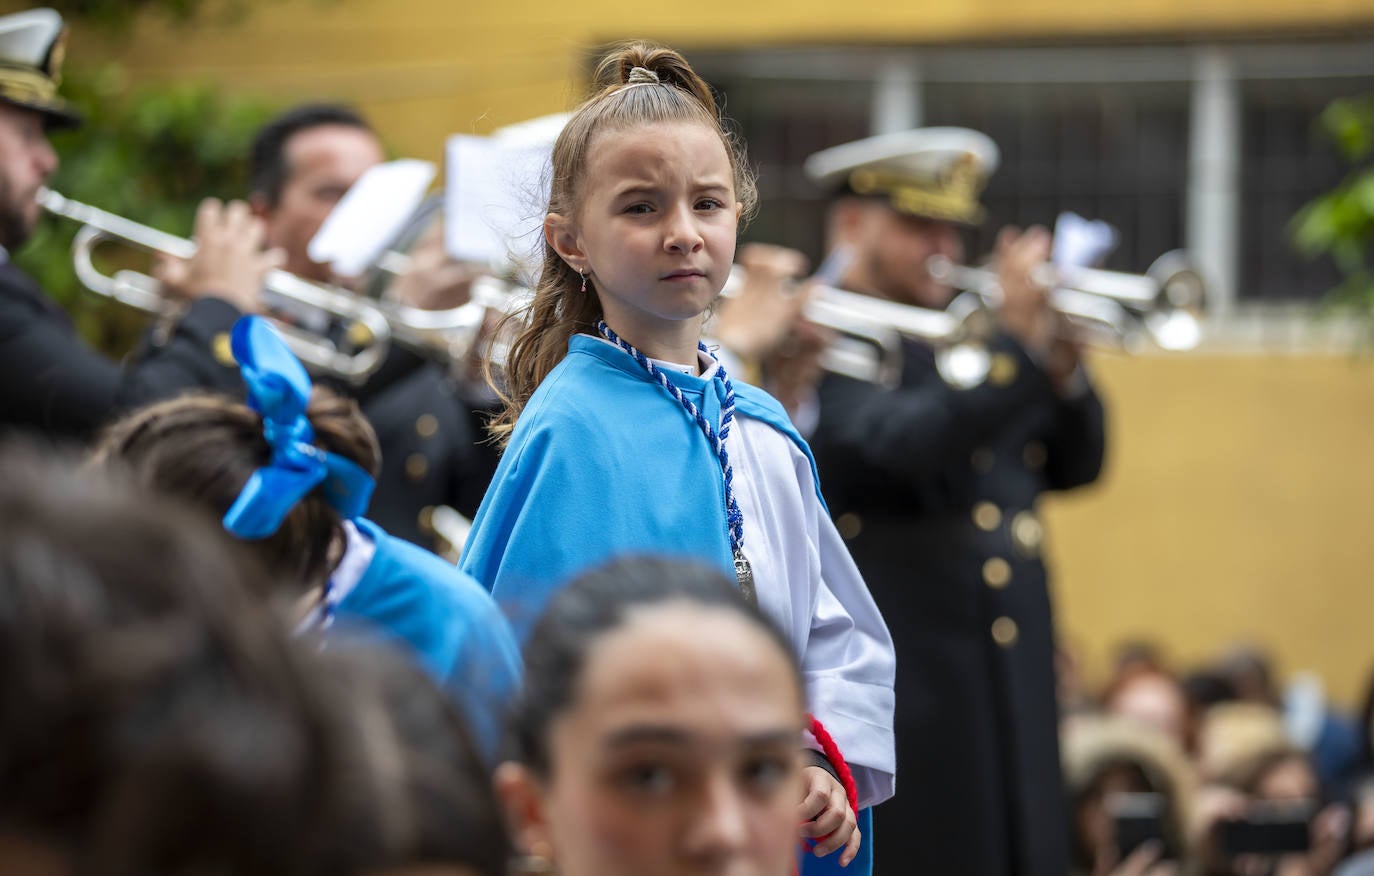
[279,389]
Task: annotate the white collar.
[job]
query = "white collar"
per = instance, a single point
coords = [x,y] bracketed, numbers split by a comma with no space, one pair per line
[705,368]
[358,553]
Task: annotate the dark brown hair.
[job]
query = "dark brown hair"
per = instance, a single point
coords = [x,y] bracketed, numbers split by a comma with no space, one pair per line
[156,717]
[432,801]
[558,310]
[204,449]
[595,604]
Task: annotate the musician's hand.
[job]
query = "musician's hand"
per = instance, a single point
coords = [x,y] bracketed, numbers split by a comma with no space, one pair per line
[792,372]
[825,814]
[229,262]
[433,280]
[1063,357]
[754,323]
[1025,311]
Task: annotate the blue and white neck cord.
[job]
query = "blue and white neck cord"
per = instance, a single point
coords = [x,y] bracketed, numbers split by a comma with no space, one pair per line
[734,518]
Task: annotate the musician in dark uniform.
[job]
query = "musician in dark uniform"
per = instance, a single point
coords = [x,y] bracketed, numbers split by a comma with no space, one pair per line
[50,382]
[935,489]
[429,423]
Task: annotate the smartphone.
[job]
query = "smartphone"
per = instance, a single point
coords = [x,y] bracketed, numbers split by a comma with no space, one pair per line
[1138,818]
[1269,828]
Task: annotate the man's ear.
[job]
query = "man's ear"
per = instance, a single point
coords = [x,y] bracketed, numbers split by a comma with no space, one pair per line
[561,234]
[521,795]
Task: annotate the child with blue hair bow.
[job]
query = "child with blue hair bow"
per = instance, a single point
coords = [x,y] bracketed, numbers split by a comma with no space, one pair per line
[290,474]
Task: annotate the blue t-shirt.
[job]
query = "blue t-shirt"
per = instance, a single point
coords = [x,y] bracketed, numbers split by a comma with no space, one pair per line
[447,621]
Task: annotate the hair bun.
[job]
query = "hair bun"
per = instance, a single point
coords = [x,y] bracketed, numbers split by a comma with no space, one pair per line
[639,75]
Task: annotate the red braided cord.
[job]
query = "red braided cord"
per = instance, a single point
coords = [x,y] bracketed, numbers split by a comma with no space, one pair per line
[832,754]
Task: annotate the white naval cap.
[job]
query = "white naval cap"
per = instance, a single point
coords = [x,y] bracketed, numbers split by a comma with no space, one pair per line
[32,46]
[935,172]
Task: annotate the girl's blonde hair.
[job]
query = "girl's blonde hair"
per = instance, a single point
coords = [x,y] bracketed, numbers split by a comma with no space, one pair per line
[619,101]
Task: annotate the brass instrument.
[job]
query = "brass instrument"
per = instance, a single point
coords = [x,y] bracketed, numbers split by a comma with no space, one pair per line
[367,322]
[1107,308]
[869,332]
[448,336]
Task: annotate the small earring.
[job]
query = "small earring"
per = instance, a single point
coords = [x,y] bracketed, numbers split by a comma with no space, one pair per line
[584,281]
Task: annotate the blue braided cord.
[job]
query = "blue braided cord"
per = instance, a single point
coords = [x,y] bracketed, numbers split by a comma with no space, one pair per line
[734,518]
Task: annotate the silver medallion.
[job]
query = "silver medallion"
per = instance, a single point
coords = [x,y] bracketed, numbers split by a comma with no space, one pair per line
[745,576]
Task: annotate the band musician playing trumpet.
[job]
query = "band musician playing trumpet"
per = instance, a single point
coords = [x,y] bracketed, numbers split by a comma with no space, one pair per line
[302,163]
[935,490]
[51,383]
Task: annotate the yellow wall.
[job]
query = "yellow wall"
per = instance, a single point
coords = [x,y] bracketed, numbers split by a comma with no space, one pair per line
[1238,503]
[423,69]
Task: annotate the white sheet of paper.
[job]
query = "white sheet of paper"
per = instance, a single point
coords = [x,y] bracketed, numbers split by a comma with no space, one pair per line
[495,200]
[370,215]
[1081,243]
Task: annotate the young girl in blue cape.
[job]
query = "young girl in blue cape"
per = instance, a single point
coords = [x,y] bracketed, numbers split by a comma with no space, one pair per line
[624,435]
[291,474]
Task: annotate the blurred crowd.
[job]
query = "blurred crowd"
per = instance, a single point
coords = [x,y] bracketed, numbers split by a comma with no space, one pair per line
[1213,768]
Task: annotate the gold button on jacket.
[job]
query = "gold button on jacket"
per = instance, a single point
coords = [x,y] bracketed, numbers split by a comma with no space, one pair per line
[987,516]
[427,425]
[1027,533]
[1002,370]
[1004,632]
[997,573]
[417,466]
[849,525]
[223,350]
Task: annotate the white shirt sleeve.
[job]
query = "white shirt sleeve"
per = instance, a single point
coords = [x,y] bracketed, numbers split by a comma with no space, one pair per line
[808,584]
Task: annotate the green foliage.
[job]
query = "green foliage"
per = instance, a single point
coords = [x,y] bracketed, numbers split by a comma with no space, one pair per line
[1340,223]
[150,155]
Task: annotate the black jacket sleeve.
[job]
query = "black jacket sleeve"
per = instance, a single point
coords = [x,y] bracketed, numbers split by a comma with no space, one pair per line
[1077,443]
[192,354]
[49,380]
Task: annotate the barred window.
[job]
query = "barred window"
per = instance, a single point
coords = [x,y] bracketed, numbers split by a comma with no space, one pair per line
[1104,132]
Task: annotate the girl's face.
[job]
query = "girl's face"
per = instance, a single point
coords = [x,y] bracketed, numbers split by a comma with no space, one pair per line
[679,755]
[655,231]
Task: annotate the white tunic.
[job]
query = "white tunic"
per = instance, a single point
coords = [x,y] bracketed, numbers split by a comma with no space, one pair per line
[808,585]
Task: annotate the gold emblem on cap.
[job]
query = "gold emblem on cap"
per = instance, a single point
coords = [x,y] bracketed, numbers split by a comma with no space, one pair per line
[997,573]
[951,196]
[56,55]
[1005,632]
[987,516]
[426,425]
[863,182]
[1027,532]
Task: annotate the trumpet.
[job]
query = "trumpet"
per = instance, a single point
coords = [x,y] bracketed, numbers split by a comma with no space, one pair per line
[1107,308]
[368,324]
[869,332]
